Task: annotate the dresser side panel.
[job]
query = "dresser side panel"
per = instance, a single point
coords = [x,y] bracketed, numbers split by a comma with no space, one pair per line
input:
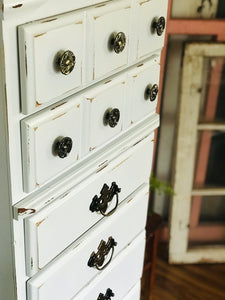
[7,268]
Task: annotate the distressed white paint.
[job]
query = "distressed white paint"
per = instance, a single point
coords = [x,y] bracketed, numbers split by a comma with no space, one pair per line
[65,276]
[203,254]
[37,9]
[46,236]
[212,126]
[45,198]
[140,78]
[88,34]
[39,135]
[97,102]
[131,139]
[39,46]
[14,14]
[185,157]
[208,192]
[128,266]
[102,23]
[81,117]
[185,154]
[7,261]
[148,40]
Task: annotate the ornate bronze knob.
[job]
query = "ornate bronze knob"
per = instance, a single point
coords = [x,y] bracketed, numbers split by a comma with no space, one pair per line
[159,25]
[152,92]
[109,293]
[119,42]
[97,259]
[66,62]
[63,146]
[112,117]
[100,204]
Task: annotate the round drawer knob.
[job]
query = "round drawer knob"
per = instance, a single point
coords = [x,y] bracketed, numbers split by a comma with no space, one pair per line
[152,92]
[67,61]
[159,25]
[119,42]
[112,117]
[63,146]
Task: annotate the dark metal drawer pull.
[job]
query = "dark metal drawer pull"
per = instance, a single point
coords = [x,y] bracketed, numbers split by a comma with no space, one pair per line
[63,146]
[111,117]
[159,25]
[66,62]
[109,293]
[97,260]
[151,92]
[119,42]
[100,204]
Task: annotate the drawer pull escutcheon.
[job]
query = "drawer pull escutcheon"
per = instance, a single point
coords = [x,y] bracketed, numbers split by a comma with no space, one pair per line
[100,204]
[109,293]
[111,117]
[66,62]
[63,146]
[159,25]
[151,92]
[119,42]
[97,260]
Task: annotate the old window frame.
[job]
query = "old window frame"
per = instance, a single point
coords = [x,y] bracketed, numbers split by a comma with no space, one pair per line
[184,161]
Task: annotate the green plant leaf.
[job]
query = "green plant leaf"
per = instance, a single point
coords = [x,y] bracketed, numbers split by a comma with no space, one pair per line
[160,186]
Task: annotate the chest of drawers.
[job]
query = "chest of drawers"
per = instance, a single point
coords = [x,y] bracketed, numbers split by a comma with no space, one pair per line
[79,83]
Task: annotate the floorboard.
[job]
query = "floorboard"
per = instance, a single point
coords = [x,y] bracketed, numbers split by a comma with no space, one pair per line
[188,282]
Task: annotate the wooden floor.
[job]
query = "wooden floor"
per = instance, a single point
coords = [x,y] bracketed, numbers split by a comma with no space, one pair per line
[185,282]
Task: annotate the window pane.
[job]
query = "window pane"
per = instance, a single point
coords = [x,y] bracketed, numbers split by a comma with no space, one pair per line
[207,220]
[212,209]
[210,159]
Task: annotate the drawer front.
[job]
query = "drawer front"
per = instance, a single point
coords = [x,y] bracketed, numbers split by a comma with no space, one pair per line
[134,293]
[144,87]
[109,33]
[90,120]
[64,54]
[51,59]
[85,259]
[151,20]
[46,237]
[51,142]
[123,274]
[106,112]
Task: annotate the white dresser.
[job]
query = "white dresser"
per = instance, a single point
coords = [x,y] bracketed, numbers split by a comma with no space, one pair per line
[79,82]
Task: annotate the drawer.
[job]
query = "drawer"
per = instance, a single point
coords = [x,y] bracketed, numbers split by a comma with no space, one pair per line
[93,252]
[105,106]
[51,59]
[123,274]
[46,237]
[151,25]
[51,142]
[134,293]
[144,86]
[109,35]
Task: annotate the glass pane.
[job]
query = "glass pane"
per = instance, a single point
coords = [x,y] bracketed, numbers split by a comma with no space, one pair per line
[198,9]
[220,14]
[212,209]
[207,220]
[212,107]
[210,159]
